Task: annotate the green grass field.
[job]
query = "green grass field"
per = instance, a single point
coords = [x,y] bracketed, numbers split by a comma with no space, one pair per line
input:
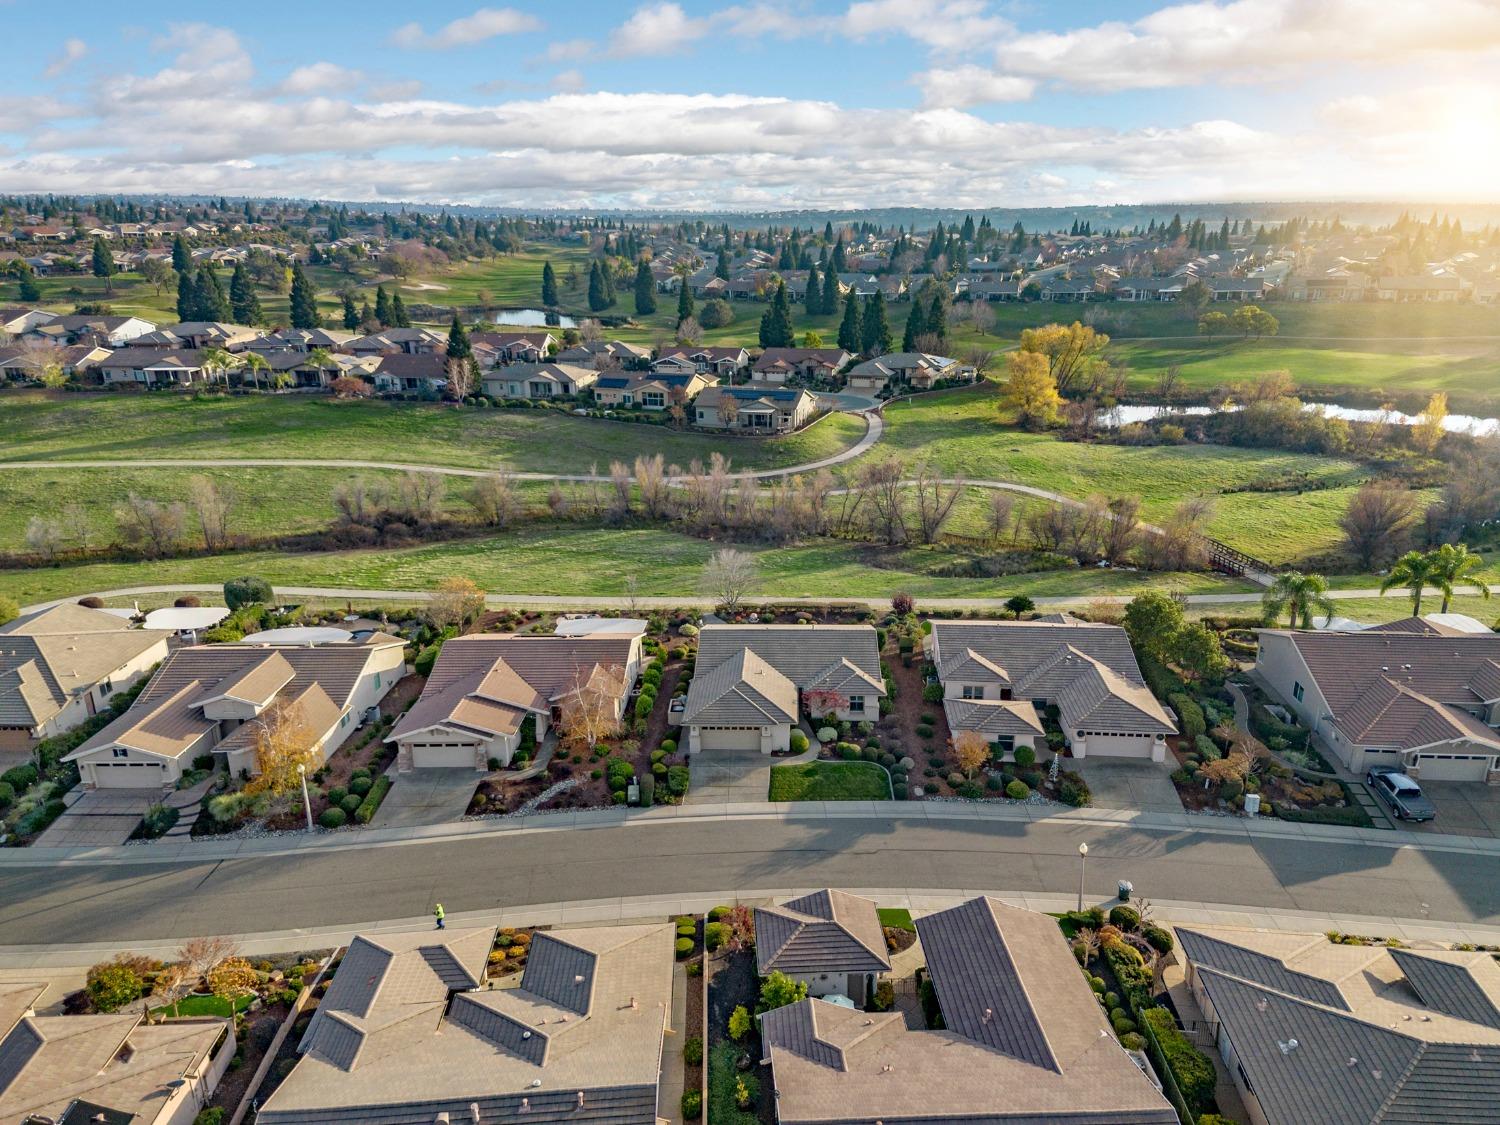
[50,426]
[830,781]
[572,560]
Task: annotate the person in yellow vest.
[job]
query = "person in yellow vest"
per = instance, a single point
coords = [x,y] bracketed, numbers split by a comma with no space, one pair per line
[437,912]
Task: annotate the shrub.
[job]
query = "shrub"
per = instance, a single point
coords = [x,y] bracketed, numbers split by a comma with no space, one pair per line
[1025,756]
[669,745]
[1017,791]
[158,820]
[718,913]
[798,742]
[688,630]
[425,660]
[1191,715]
[1122,1024]
[1191,1068]
[91,602]
[684,947]
[112,985]
[359,771]
[715,934]
[1158,938]
[739,1022]
[1229,789]
[359,786]
[336,794]
[1075,791]
[827,735]
[692,1104]
[647,785]
[778,990]
[247,590]
[213,1115]
[1135,1041]
[372,799]
[334,817]
[1208,748]
[924,731]
[350,804]
[20,778]
[7,794]
[1097,984]
[1125,917]
[677,780]
[955,779]
[932,693]
[692,1050]
[687,928]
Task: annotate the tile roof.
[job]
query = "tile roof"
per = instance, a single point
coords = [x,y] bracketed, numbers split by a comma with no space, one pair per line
[824,932]
[578,1040]
[993,717]
[741,690]
[1025,1040]
[751,674]
[49,657]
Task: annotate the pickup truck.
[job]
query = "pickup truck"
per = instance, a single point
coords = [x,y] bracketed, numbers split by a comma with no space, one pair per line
[1401,793]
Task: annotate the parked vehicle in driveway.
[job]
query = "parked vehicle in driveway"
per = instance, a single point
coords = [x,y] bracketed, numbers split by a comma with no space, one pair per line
[1401,793]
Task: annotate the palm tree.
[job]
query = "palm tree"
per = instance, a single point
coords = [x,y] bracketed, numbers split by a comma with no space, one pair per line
[1450,566]
[255,363]
[1413,571]
[216,361]
[1297,595]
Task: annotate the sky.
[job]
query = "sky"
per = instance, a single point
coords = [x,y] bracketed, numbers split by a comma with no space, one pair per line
[761,104]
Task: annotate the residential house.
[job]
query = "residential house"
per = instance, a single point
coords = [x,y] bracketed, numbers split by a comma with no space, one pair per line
[777,365]
[1335,285]
[1150,288]
[409,1032]
[60,666]
[989,289]
[710,287]
[306,375]
[829,940]
[605,355]
[754,410]
[24,362]
[218,699]
[538,380]
[406,341]
[1236,288]
[1023,1039]
[302,340]
[484,687]
[403,373]
[107,331]
[860,284]
[725,362]
[117,1069]
[999,678]
[1424,287]
[1064,290]
[649,391]
[1310,1031]
[210,334]
[19,321]
[917,370]
[1414,694]
[517,347]
[753,681]
[154,367]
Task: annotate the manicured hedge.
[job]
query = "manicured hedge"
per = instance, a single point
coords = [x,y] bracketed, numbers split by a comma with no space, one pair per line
[1190,1067]
[372,799]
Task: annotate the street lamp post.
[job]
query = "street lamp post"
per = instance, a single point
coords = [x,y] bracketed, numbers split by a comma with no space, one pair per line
[1083,858]
[307,802]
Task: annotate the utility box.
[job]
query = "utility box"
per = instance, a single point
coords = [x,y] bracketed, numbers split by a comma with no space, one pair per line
[1252,804]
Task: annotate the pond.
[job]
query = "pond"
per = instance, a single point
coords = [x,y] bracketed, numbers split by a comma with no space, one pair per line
[533,317]
[1454,423]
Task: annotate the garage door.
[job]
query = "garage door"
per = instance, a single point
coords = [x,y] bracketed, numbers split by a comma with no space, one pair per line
[127,775]
[729,738]
[1452,767]
[1117,745]
[424,757]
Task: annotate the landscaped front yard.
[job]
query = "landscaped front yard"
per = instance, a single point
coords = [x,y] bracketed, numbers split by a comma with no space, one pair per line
[830,781]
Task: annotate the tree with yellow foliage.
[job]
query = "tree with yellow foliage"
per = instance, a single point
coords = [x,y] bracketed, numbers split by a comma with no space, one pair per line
[232,978]
[1074,352]
[1428,429]
[284,740]
[972,752]
[1030,391]
[455,602]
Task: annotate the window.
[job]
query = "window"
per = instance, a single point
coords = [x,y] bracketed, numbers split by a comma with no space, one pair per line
[973,691]
[120,752]
[344,722]
[856,703]
[1005,693]
[1297,691]
[377,679]
[1003,745]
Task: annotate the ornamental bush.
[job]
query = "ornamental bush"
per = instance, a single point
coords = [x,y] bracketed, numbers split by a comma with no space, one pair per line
[715,934]
[827,735]
[350,804]
[684,947]
[1017,791]
[798,742]
[1191,1068]
[333,818]
[112,985]
[1125,917]
[7,794]
[932,693]
[20,778]
[359,786]
[669,745]
[1025,756]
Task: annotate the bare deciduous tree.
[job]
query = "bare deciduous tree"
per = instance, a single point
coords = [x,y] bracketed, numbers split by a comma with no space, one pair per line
[932,501]
[1122,529]
[284,739]
[420,496]
[1377,522]
[44,537]
[998,516]
[883,485]
[455,602]
[728,576]
[1179,544]
[211,503]
[619,479]
[493,499]
[462,377]
[589,330]
[151,525]
[651,479]
[589,713]
[74,522]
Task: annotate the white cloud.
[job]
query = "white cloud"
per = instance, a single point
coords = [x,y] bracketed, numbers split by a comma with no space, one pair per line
[208,61]
[568,49]
[568,80]
[486,23]
[751,21]
[319,76]
[954,25]
[656,29]
[72,51]
[971,85]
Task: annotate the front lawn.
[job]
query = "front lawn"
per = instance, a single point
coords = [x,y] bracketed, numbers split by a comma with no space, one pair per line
[190,1006]
[830,781]
[895,918]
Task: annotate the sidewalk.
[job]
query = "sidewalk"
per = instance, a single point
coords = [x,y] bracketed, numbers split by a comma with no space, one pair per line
[612,911]
[929,812]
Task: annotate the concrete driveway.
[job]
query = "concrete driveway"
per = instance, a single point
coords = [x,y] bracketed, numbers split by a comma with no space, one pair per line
[1465,808]
[1121,783]
[428,796]
[102,818]
[730,775]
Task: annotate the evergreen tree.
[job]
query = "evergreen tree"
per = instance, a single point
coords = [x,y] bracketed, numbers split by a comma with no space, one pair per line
[813,302]
[967,235]
[186,302]
[937,317]
[244,305]
[684,302]
[607,276]
[840,261]
[304,302]
[549,286]
[399,317]
[721,263]
[776,329]
[104,263]
[851,337]
[351,314]
[830,302]
[645,289]
[597,299]
[786,261]
[383,307]
[29,290]
[916,325]
[458,341]
[875,329]
[182,258]
[209,302]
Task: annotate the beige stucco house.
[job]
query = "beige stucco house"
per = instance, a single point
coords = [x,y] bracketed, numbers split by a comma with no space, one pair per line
[831,941]
[217,699]
[538,380]
[486,685]
[751,682]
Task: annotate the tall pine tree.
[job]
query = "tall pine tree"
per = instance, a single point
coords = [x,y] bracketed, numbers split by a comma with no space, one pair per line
[916,325]
[383,307]
[186,301]
[399,316]
[851,337]
[875,329]
[813,301]
[458,341]
[776,329]
[684,301]
[104,263]
[549,286]
[645,289]
[182,258]
[937,318]
[209,302]
[351,314]
[830,301]
[598,301]
[304,301]
[244,305]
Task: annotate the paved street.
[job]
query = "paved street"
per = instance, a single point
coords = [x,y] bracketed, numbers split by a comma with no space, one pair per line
[129,901]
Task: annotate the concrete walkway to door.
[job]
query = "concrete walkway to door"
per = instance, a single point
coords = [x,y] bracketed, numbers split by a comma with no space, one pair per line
[737,775]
